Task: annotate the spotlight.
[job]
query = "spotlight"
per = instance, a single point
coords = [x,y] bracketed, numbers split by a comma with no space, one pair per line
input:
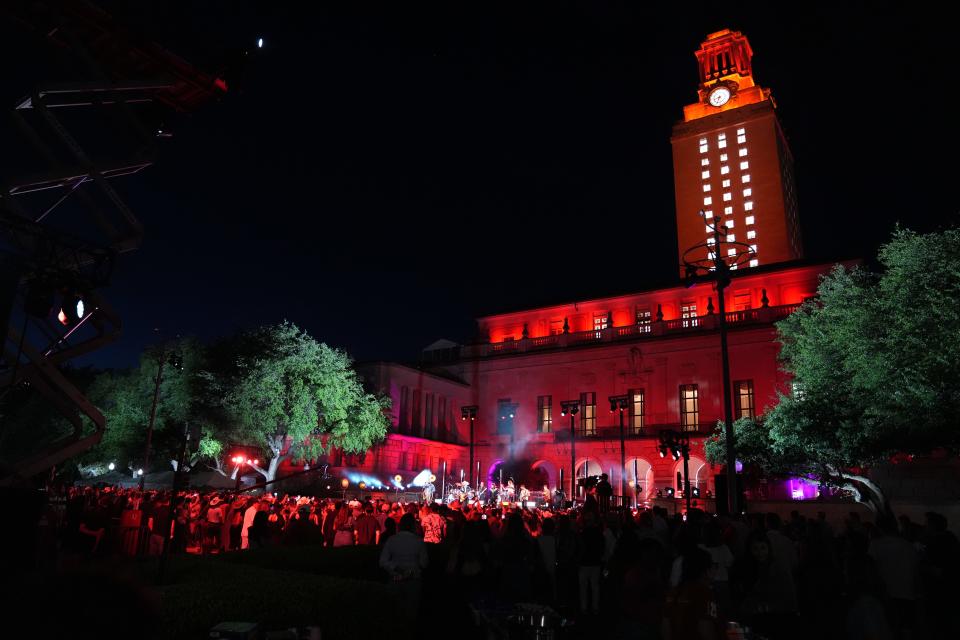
[111,466]
[139,472]
[259,43]
[663,451]
[72,311]
[256,461]
[696,492]
[344,483]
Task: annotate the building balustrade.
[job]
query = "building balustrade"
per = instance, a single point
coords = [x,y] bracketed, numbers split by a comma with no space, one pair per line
[655,329]
[648,431]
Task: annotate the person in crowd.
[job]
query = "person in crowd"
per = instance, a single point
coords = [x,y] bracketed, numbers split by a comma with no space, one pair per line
[248,516]
[367,526]
[765,589]
[898,567]
[691,612]
[404,557]
[344,527]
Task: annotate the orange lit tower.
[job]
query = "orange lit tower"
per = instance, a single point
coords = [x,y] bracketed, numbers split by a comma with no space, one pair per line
[731,159]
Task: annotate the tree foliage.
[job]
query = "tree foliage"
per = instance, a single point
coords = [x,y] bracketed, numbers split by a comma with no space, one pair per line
[297,397]
[875,365]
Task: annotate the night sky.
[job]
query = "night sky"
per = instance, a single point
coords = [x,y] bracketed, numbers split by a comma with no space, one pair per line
[381,175]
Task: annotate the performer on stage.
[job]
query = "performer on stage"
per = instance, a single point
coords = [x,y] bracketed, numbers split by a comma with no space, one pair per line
[558,498]
[547,496]
[524,496]
[483,494]
[428,490]
[510,493]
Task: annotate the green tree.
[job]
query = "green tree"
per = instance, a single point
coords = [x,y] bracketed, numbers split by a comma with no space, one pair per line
[875,367]
[297,397]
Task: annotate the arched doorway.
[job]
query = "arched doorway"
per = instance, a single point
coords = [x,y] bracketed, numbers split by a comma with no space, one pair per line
[586,468]
[640,472]
[699,475]
[542,472]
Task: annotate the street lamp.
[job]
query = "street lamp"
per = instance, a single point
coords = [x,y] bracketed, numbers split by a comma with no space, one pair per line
[572,408]
[723,256]
[620,404]
[677,444]
[469,413]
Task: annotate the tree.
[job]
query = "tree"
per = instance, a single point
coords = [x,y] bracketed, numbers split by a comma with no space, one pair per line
[126,398]
[297,398]
[875,367]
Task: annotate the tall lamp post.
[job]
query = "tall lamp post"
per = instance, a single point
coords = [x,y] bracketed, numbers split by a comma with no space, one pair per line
[677,444]
[620,404]
[163,356]
[469,413]
[572,408]
[723,255]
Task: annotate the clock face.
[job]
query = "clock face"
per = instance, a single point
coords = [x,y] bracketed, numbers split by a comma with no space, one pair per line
[719,96]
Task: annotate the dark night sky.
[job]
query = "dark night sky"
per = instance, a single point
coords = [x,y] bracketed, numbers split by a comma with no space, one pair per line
[387,173]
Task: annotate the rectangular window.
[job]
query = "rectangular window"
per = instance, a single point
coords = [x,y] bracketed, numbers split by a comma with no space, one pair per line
[722,144]
[403,420]
[754,263]
[727,211]
[726,183]
[704,175]
[556,327]
[706,188]
[731,237]
[748,205]
[745,178]
[741,301]
[704,162]
[588,413]
[743,398]
[689,407]
[742,152]
[703,148]
[416,425]
[741,131]
[747,192]
[723,157]
[504,416]
[644,319]
[721,136]
[729,223]
[731,252]
[707,201]
[741,139]
[751,234]
[599,323]
[724,170]
[744,165]
[428,416]
[754,247]
[544,414]
[709,229]
[727,197]
[711,240]
[442,415]
[749,219]
[688,312]
[636,410]
[708,214]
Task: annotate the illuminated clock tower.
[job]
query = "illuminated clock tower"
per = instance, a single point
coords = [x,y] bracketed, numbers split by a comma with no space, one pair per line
[731,159]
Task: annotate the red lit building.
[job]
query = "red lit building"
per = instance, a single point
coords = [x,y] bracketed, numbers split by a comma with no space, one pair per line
[659,348]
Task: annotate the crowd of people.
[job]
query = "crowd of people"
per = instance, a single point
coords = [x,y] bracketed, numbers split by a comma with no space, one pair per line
[643,573]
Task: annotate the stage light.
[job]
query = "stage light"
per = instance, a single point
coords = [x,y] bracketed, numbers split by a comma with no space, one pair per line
[433,478]
[563,412]
[72,311]
[344,483]
[398,478]
[676,453]
[255,461]
[111,466]
[139,472]
[362,485]
[259,43]
[663,451]
[696,492]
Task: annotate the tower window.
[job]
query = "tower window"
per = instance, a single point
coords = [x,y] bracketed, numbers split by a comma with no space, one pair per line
[745,178]
[742,152]
[709,229]
[722,144]
[703,145]
[708,214]
[748,205]
[544,413]
[741,139]
[711,240]
[753,247]
[751,234]
[749,220]
[724,170]
[723,157]
[727,197]
[704,162]
[706,188]
[741,131]
[747,192]
[754,262]
[708,201]
[704,175]
[727,210]
[643,319]
[726,183]
[744,165]
[731,237]
[731,252]
[721,136]
[588,413]
[729,223]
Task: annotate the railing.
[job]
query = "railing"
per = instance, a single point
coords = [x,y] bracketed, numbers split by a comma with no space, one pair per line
[613,432]
[678,326]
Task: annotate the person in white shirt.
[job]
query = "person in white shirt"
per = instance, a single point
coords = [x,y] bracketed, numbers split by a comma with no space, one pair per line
[248,517]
